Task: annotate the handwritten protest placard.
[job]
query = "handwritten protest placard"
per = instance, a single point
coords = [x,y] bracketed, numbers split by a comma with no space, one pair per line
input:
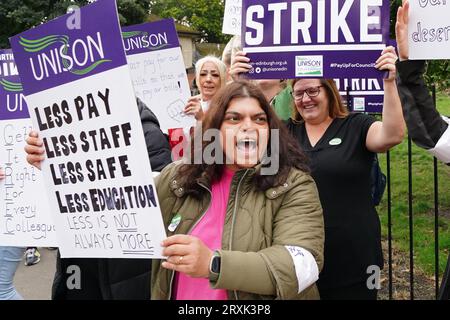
[429,29]
[24,212]
[301,39]
[232,17]
[97,171]
[158,72]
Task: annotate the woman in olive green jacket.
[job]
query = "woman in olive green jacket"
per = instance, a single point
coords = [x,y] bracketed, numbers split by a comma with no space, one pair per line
[245,222]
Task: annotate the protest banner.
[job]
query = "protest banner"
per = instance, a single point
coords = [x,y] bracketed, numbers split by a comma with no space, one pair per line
[25,219]
[329,39]
[97,171]
[362,94]
[429,29]
[158,72]
[232,17]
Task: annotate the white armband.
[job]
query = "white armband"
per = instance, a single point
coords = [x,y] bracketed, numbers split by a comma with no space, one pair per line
[155,174]
[306,268]
[442,148]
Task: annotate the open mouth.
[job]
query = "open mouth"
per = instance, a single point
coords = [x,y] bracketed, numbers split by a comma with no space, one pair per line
[309,107]
[247,145]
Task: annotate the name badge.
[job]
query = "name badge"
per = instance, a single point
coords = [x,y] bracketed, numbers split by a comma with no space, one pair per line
[335,142]
[174,223]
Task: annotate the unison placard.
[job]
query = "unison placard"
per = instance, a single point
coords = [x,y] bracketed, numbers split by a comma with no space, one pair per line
[97,171]
[158,71]
[25,219]
[317,38]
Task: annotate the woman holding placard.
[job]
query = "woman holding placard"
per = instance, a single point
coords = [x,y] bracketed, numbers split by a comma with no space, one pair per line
[342,147]
[10,258]
[235,231]
[210,77]
[277,91]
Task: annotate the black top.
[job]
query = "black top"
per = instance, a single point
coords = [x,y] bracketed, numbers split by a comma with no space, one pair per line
[341,165]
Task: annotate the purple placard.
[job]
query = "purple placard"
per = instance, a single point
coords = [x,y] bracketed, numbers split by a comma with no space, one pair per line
[366,103]
[56,52]
[329,39]
[150,36]
[365,94]
[12,99]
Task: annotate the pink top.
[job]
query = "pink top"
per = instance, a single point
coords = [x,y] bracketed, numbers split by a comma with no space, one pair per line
[209,229]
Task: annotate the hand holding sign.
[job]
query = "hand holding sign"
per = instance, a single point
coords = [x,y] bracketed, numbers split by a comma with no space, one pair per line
[239,65]
[35,150]
[194,108]
[2,174]
[387,62]
[187,254]
[401,30]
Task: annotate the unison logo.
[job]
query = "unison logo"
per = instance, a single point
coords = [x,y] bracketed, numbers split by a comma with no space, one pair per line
[11,86]
[80,57]
[15,99]
[309,66]
[142,40]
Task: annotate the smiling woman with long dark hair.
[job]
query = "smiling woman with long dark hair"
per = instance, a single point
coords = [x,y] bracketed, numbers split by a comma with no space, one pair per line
[235,230]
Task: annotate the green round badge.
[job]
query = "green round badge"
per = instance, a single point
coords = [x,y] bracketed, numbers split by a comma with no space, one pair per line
[335,142]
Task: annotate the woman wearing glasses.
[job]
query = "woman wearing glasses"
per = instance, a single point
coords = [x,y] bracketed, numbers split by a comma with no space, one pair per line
[341,147]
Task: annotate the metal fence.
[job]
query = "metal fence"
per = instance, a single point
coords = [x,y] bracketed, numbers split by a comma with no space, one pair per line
[442,286]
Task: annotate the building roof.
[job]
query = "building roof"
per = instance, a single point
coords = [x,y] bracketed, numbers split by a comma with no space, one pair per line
[181,29]
[207,48]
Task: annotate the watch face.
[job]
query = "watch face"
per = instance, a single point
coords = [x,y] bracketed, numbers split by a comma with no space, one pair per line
[215,264]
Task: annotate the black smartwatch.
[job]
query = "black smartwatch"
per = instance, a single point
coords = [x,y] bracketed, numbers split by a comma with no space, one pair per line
[214,268]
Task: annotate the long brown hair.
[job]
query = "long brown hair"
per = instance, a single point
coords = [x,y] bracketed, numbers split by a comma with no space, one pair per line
[336,108]
[290,153]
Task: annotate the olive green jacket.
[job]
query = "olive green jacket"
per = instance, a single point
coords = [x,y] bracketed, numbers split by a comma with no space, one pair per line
[258,225]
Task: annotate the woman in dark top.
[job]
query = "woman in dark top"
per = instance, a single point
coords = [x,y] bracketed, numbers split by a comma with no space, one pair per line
[341,148]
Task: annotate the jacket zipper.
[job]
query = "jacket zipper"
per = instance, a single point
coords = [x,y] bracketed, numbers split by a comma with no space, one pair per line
[234,218]
[189,231]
